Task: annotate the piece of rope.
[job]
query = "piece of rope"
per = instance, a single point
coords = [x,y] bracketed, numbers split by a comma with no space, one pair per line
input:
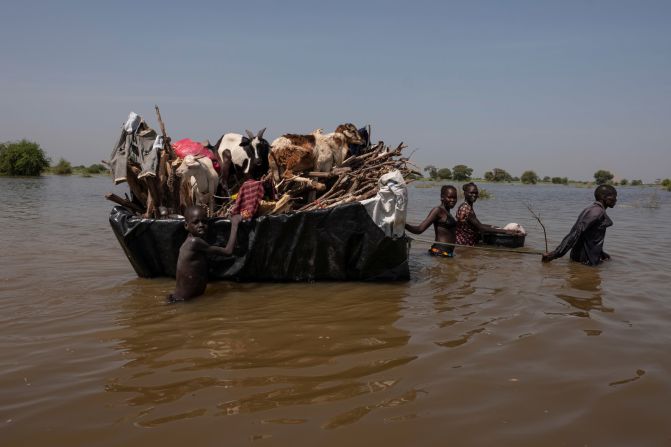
[529,251]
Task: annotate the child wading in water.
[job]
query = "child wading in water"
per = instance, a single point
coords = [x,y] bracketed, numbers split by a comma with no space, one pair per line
[443,223]
[469,228]
[192,260]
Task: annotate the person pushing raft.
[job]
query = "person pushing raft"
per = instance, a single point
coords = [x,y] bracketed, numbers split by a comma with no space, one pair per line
[192,260]
[443,223]
[469,227]
[586,238]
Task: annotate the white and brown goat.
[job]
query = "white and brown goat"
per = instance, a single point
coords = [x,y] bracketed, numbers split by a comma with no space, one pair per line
[291,153]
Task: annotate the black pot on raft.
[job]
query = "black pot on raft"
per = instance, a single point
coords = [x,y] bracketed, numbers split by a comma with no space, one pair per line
[503,239]
[342,243]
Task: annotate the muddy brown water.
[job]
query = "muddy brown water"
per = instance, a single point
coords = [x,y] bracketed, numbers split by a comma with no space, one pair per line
[485,349]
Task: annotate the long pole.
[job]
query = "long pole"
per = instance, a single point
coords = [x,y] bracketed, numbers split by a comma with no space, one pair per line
[480,247]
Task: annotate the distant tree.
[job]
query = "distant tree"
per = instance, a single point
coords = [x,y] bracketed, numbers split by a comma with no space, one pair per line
[546,179]
[624,182]
[22,158]
[499,175]
[96,169]
[636,182]
[461,173]
[489,176]
[666,182]
[444,173]
[515,179]
[433,172]
[63,167]
[556,180]
[603,177]
[529,177]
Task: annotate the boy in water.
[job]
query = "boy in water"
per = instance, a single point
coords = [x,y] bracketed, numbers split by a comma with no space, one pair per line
[192,260]
[585,240]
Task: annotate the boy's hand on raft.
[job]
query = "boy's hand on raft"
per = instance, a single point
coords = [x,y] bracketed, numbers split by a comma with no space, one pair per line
[547,257]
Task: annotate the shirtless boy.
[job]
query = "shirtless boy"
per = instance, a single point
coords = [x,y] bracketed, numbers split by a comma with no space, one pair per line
[192,260]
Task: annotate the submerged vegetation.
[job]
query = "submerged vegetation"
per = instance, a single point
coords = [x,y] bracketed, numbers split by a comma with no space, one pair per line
[22,158]
[27,158]
[63,167]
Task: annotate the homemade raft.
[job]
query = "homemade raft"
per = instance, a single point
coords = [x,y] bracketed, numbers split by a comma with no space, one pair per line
[344,224]
[355,241]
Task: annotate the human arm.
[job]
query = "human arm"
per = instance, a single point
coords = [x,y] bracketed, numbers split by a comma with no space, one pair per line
[214,250]
[421,228]
[585,220]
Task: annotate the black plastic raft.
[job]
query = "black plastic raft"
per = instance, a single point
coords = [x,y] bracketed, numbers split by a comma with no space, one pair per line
[503,239]
[341,243]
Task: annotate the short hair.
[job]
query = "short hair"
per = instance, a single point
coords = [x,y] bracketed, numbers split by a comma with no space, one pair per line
[468,185]
[190,209]
[602,191]
[445,188]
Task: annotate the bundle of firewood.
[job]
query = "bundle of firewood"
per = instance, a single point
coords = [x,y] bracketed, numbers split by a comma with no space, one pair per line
[357,178]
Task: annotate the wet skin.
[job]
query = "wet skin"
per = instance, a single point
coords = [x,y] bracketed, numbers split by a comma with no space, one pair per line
[438,216]
[192,261]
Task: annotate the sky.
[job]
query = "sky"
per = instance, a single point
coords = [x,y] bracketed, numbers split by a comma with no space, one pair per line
[564,88]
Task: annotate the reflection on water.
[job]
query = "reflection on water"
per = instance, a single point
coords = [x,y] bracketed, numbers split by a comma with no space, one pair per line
[482,349]
[583,290]
[275,349]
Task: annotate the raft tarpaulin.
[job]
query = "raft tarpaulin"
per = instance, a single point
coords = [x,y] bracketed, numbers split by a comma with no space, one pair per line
[341,243]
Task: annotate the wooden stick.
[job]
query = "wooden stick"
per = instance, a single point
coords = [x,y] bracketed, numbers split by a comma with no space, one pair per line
[478,247]
[166,139]
[538,218]
[123,202]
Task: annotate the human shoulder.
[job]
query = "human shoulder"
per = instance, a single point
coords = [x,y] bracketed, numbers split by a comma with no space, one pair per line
[438,211]
[464,211]
[595,210]
[196,243]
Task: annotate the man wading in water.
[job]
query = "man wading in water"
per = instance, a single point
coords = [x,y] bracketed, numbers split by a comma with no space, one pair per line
[192,260]
[588,233]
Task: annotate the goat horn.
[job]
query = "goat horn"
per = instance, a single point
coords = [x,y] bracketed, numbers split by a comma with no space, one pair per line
[260,134]
[249,134]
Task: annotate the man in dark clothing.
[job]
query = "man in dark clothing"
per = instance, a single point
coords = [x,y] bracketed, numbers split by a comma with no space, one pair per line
[588,233]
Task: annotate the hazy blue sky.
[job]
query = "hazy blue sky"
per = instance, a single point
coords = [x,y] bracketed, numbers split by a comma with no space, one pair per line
[564,88]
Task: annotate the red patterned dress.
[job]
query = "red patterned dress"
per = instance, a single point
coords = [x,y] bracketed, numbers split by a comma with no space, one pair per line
[467,234]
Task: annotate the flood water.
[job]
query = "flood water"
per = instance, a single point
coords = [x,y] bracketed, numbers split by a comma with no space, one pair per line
[487,349]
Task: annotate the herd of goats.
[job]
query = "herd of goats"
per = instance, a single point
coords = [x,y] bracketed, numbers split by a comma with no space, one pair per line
[300,172]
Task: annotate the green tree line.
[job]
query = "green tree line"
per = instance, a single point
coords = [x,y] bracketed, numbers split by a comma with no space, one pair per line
[27,158]
[464,173]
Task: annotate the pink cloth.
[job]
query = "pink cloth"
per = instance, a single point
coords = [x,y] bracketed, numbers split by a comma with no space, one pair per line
[187,146]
